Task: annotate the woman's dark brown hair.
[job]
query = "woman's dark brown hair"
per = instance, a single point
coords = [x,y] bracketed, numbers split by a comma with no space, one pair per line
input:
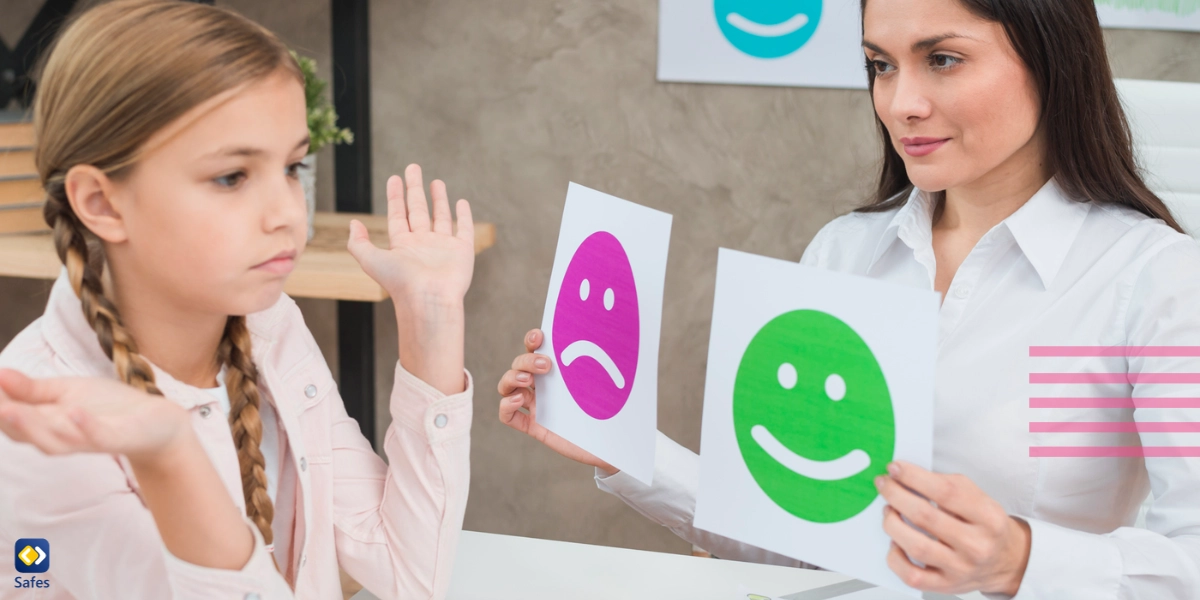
[1089,145]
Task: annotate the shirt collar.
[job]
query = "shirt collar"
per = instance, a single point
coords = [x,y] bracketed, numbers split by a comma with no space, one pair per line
[1044,228]
[912,224]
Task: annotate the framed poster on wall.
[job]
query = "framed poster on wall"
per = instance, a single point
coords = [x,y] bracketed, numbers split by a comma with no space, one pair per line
[806,43]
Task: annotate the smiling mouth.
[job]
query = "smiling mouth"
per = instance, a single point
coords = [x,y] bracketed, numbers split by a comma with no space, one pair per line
[582,348]
[789,26]
[854,462]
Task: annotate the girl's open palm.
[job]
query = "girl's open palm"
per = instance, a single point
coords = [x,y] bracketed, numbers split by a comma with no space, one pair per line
[66,415]
[426,259]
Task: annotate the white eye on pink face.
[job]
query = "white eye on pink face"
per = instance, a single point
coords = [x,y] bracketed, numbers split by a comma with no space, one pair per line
[585,290]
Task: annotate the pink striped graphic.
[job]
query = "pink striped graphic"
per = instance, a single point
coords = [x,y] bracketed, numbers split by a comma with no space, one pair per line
[1109,402]
[1114,403]
[1114,427]
[1131,378]
[1114,452]
[1099,351]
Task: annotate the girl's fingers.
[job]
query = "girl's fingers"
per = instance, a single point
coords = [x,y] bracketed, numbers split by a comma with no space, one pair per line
[10,422]
[397,214]
[32,427]
[418,208]
[533,340]
[96,432]
[360,245]
[442,223]
[466,225]
[18,386]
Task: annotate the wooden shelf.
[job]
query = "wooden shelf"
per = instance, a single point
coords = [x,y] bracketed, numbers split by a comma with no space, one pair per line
[325,269]
[16,135]
[17,163]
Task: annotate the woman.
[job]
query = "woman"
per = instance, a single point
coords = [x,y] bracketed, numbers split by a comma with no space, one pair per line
[1009,187]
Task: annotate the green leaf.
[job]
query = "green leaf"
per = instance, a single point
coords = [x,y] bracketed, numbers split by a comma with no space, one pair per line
[322,118]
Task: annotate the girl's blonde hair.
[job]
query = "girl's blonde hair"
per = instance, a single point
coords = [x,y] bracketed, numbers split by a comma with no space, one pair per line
[117,75]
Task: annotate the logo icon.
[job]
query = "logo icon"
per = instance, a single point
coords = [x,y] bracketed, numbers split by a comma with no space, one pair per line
[32,555]
[813,416]
[595,330]
[768,28]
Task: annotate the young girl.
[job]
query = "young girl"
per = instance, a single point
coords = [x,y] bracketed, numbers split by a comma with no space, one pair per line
[1009,186]
[170,426]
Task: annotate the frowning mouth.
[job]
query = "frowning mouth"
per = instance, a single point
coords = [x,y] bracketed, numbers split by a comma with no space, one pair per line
[787,27]
[280,264]
[583,348]
[852,463]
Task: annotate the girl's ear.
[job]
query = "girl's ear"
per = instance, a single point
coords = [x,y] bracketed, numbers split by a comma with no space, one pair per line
[90,192]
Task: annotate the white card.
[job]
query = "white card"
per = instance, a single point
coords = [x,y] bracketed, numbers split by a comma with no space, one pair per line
[810,43]
[816,380]
[602,324]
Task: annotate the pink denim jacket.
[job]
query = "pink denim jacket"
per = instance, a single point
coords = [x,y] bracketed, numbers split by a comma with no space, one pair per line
[393,527]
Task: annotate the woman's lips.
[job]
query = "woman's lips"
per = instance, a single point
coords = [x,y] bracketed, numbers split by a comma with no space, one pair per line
[922,146]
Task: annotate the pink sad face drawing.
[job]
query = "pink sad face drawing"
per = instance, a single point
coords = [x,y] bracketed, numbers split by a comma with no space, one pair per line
[595,331]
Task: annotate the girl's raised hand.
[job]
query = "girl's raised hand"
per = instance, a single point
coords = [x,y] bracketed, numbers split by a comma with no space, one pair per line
[517,389]
[426,261]
[74,414]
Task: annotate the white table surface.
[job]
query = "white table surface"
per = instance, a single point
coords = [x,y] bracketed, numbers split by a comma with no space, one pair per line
[503,567]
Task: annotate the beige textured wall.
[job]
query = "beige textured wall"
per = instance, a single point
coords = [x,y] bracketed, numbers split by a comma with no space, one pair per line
[508,100]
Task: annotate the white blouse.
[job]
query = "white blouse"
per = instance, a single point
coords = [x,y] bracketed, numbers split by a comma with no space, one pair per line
[1025,421]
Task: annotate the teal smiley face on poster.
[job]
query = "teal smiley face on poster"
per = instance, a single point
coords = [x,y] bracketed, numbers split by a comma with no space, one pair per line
[768,28]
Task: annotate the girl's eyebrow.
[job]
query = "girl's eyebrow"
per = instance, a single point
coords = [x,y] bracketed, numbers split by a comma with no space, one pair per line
[920,45]
[252,152]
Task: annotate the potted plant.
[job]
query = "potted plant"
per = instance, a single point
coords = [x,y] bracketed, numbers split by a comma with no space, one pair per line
[322,130]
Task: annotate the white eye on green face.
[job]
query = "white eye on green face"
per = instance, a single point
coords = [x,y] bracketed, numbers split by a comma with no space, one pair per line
[787,376]
[835,386]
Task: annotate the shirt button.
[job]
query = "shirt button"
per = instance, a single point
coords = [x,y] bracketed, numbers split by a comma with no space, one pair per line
[303,464]
[962,292]
[303,559]
[253,596]
[310,391]
[205,411]
[440,421]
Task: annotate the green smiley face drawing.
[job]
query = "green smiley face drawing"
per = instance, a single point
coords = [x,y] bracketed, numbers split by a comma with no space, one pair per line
[813,416]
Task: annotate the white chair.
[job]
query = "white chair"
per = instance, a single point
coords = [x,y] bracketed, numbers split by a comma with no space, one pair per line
[1165,118]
